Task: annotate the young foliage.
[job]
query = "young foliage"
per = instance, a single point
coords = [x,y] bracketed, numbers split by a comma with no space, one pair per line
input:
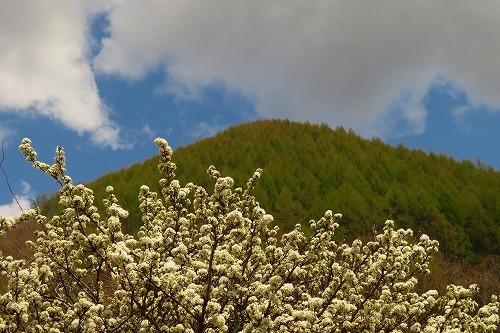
[214,262]
[319,165]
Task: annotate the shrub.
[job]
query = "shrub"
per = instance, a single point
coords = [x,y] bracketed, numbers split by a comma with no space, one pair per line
[215,263]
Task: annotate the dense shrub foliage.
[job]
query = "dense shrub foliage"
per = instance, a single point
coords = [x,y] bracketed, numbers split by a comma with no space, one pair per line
[215,262]
[309,167]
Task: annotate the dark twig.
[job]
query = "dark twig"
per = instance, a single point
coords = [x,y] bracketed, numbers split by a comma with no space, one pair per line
[12,192]
[7,178]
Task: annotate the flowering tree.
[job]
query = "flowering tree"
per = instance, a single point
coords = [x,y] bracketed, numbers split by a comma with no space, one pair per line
[206,262]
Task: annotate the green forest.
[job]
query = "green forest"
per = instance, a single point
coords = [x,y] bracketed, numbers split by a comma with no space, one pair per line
[309,169]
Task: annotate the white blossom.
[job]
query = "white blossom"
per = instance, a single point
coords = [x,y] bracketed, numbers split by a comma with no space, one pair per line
[215,263]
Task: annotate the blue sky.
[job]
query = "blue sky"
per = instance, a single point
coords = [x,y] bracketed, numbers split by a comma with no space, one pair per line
[104,78]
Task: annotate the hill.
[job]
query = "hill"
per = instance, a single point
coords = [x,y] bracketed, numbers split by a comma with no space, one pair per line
[311,168]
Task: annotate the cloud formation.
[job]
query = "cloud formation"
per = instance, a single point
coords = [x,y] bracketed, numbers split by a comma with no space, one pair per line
[364,64]
[5,132]
[45,65]
[13,209]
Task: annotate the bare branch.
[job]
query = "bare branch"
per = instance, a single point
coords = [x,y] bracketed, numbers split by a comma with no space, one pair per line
[6,177]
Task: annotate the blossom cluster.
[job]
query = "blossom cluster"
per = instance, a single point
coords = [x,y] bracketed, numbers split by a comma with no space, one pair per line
[215,262]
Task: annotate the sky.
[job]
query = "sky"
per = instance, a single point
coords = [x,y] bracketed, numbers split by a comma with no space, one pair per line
[103,78]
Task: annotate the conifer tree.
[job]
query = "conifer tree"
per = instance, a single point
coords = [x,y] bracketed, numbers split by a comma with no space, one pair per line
[214,262]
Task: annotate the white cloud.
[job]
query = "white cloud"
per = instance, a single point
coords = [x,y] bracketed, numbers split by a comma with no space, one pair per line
[26,189]
[24,200]
[459,114]
[149,132]
[203,130]
[12,209]
[365,64]
[45,65]
[5,133]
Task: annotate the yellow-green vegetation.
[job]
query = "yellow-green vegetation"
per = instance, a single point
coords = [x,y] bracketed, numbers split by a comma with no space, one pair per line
[309,168]
[206,261]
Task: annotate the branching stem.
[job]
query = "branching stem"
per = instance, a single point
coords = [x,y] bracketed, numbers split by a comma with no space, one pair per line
[7,178]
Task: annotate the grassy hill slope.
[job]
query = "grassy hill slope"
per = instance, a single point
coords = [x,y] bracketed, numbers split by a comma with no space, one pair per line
[309,169]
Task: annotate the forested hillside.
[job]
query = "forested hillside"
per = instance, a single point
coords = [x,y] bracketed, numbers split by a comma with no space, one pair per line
[310,168]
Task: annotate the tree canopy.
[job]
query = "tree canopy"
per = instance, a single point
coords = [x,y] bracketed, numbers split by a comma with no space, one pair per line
[213,261]
[308,168]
